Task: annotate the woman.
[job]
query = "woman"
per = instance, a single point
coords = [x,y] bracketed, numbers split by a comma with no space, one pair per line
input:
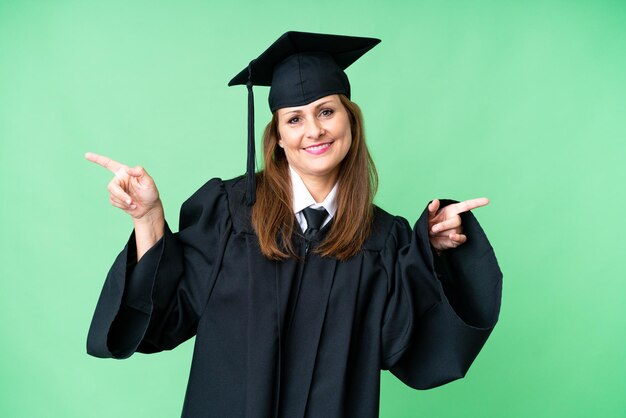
[298,289]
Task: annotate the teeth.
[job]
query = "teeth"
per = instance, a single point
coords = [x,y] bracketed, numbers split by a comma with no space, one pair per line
[319,147]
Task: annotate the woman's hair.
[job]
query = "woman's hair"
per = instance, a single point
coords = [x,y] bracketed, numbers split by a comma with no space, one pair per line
[272,214]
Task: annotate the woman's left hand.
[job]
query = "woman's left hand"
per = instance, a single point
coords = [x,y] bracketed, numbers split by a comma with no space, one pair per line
[444,226]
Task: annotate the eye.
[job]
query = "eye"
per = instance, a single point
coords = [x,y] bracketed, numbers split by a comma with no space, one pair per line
[293,120]
[326,112]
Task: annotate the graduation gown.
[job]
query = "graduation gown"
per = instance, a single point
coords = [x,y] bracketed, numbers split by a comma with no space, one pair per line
[296,338]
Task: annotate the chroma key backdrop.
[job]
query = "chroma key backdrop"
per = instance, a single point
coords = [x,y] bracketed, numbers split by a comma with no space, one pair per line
[521,102]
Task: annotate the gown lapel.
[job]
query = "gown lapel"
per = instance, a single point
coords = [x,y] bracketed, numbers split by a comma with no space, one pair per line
[263,335]
[301,340]
[283,341]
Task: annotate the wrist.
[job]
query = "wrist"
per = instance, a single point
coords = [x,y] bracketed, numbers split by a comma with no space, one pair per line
[153,217]
[149,229]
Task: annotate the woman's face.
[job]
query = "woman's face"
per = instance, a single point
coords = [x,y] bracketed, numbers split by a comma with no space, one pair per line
[316,137]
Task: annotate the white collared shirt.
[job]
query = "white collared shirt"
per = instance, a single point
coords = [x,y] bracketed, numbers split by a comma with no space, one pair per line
[302,199]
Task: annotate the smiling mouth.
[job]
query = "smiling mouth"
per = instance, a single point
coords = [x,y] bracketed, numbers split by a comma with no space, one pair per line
[318,148]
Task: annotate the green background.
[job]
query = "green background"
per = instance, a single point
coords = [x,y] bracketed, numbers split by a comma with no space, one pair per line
[523,102]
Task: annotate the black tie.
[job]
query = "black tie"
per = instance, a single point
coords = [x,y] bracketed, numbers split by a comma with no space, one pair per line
[314,220]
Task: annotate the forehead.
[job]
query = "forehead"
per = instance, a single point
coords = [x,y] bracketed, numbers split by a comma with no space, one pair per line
[326,100]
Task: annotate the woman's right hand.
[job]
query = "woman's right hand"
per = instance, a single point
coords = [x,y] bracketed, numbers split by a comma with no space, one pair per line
[131,190]
[134,191]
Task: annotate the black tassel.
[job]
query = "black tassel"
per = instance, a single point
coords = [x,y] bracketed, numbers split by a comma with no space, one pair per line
[251,166]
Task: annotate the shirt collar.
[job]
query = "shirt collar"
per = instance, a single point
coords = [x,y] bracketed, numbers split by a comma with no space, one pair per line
[302,197]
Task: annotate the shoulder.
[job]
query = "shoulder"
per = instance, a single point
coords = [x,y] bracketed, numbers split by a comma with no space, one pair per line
[216,186]
[240,212]
[387,230]
[232,189]
[217,197]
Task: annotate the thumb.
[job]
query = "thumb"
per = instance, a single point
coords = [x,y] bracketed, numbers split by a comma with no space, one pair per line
[140,176]
[433,207]
[136,171]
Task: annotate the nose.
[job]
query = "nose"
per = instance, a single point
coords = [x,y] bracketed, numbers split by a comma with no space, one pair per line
[314,128]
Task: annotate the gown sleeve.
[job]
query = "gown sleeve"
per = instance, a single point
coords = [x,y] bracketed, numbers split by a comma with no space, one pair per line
[154,304]
[440,309]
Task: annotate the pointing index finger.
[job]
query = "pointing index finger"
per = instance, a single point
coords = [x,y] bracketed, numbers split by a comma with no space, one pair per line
[105,162]
[468,205]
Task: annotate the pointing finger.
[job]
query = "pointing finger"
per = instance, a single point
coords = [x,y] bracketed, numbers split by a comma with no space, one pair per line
[105,162]
[468,205]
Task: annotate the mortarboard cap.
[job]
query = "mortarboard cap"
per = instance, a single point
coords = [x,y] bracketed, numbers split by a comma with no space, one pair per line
[300,67]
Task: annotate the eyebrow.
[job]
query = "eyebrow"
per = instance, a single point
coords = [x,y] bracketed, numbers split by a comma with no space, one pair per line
[292,111]
[324,103]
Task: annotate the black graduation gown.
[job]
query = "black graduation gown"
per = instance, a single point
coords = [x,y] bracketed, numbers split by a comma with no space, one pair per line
[298,339]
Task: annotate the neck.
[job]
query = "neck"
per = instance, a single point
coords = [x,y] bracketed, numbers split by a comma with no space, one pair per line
[319,186]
